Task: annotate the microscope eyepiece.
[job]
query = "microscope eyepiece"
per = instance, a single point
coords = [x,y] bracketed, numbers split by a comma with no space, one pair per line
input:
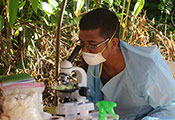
[74,53]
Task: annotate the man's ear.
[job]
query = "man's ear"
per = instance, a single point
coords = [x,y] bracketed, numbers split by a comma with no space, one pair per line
[115,42]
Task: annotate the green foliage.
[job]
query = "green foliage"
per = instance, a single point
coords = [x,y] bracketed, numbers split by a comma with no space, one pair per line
[111,4]
[50,12]
[12,7]
[29,45]
[1,22]
[37,20]
[21,6]
[166,9]
[138,6]
[165,6]
[47,8]
[80,4]
[35,4]
[1,3]
[108,2]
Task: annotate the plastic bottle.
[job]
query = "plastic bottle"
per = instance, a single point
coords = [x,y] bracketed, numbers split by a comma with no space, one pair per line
[106,106]
[84,111]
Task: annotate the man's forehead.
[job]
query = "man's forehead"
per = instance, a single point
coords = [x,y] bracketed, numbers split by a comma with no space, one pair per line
[90,35]
[92,32]
[88,40]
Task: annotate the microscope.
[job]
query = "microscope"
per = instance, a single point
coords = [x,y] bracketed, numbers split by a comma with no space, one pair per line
[72,93]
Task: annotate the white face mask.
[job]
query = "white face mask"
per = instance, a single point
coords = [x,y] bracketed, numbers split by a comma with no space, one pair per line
[93,59]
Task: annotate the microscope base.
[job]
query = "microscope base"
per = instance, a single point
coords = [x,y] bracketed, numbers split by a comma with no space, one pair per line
[73,108]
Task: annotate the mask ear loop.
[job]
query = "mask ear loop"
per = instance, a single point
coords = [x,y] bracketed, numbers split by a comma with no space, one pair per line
[101,65]
[108,43]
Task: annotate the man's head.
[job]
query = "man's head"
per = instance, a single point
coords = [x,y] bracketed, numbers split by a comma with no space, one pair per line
[99,36]
[102,19]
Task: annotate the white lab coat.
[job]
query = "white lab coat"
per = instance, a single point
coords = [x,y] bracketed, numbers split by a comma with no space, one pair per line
[145,89]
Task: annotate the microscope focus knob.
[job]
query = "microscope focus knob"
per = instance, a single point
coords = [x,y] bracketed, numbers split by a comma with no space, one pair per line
[67,99]
[84,91]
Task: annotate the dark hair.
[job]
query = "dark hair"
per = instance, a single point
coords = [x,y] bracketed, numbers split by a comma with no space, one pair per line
[101,18]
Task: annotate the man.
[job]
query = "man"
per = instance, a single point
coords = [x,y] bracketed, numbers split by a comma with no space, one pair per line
[136,78]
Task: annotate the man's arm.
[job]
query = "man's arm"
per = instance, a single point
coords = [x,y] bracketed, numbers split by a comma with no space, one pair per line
[162,113]
[161,96]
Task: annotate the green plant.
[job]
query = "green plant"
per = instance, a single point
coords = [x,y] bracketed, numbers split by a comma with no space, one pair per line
[28,37]
[165,7]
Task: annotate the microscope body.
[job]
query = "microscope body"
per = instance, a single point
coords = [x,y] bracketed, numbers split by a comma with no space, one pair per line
[72,95]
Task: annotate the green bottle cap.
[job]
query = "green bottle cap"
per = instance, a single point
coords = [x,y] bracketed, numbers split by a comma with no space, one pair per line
[106,106]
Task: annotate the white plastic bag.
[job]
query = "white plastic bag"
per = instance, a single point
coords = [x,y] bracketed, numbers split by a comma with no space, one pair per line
[23,101]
